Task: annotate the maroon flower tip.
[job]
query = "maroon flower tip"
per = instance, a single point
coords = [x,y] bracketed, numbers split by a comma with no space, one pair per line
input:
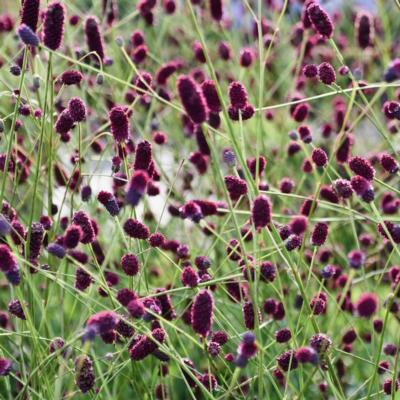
[361,166]
[156,239]
[310,71]
[84,373]
[236,187]
[364,29]
[94,38]
[319,157]
[143,156]
[326,73]
[73,236]
[5,366]
[321,343]
[137,187]
[211,96]
[191,210]
[136,308]
[283,335]
[224,50]
[64,122]
[319,234]
[306,355]
[209,381]
[389,163]
[125,296]
[189,277]
[136,229]
[261,212]
[320,20]
[367,305]
[15,308]
[237,95]
[7,260]
[216,9]
[82,279]
[30,13]
[130,264]
[103,321]
[192,99]
[343,188]
[35,244]
[164,72]
[109,201]
[119,123]
[53,26]
[77,109]
[287,361]
[202,312]
[82,219]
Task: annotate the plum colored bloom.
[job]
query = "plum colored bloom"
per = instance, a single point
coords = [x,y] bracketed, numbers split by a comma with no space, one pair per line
[72,236]
[71,77]
[321,343]
[94,38]
[361,166]
[136,308]
[246,57]
[237,95]
[30,13]
[192,99]
[216,9]
[36,239]
[202,312]
[389,163]
[213,348]
[102,322]
[293,242]
[343,188]
[306,355]
[220,337]
[189,277]
[136,229]
[356,259]
[77,109]
[156,239]
[319,157]
[143,157]
[27,35]
[367,304]
[119,123]
[305,134]
[248,315]
[326,73]
[130,264]
[82,279]
[64,122]
[261,211]
[144,346]
[82,219]
[267,271]
[137,187]
[287,360]
[84,373]
[109,202]
[320,20]
[236,187]
[247,349]
[165,71]
[300,112]
[365,31]
[53,25]
[319,234]
[7,259]
[310,70]
[283,335]
[211,96]
[15,308]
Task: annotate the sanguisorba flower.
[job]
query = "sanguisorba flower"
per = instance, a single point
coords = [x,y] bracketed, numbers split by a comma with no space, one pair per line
[364,29]
[53,26]
[77,109]
[84,373]
[261,211]
[319,234]
[82,219]
[27,35]
[94,38]
[216,9]
[320,20]
[136,188]
[71,77]
[192,99]
[30,13]
[202,312]
[109,201]
[119,123]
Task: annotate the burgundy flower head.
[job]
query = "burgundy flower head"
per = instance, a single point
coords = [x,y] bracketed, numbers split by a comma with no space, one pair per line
[53,26]
[84,373]
[119,123]
[130,264]
[94,38]
[361,166]
[192,99]
[261,211]
[202,312]
[320,20]
[30,13]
